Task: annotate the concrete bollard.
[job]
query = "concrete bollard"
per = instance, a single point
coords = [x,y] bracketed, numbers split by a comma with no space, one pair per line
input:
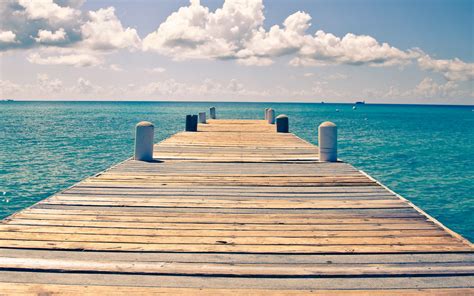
[212,112]
[144,134]
[191,123]
[271,116]
[327,141]
[266,113]
[282,124]
[202,117]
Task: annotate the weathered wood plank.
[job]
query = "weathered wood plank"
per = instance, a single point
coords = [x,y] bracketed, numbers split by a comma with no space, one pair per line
[66,290]
[236,258]
[231,226]
[230,248]
[205,240]
[275,284]
[220,233]
[255,270]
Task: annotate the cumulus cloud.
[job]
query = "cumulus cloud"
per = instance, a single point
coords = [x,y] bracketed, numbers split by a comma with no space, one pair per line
[45,36]
[84,86]
[167,87]
[31,21]
[7,37]
[236,31]
[48,85]
[428,88]
[47,10]
[104,31]
[326,48]
[60,24]
[195,32]
[65,57]
[453,70]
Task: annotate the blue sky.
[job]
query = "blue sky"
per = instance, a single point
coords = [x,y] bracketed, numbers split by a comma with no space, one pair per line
[129,50]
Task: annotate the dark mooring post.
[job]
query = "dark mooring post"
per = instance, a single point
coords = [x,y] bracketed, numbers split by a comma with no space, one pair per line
[212,112]
[202,117]
[191,123]
[282,124]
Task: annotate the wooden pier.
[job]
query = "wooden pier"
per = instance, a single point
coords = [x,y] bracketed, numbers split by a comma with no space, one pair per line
[233,209]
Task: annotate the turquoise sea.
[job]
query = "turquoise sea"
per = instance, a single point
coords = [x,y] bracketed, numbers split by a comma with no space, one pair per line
[424,153]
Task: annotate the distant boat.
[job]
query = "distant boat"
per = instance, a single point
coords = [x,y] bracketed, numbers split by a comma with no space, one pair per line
[354,107]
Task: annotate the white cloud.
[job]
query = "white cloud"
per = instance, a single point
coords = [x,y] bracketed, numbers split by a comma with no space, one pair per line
[59,24]
[45,36]
[326,48]
[48,85]
[208,88]
[337,76]
[8,88]
[236,31]
[102,34]
[40,23]
[104,31]
[84,86]
[428,88]
[195,32]
[115,67]
[69,57]
[47,10]
[278,41]
[156,70]
[235,86]
[168,87]
[7,37]
[455,69]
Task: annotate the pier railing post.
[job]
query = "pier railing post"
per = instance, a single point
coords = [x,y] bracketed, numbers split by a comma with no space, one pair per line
[191,123]
[271,116]
[212,112]
[202,117]
[144,134]
[327,141]
[282,125]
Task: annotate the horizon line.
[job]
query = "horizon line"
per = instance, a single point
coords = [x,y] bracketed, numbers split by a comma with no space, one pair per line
[236,101]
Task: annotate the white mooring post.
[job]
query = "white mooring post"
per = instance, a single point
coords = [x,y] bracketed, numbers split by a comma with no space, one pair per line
[282,125]
[327,141]
[212,112]
[202,117]
[271,116]
[266,113]
[144,134]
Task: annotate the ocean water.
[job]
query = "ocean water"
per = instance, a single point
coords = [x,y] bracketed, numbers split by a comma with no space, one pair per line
[424,153]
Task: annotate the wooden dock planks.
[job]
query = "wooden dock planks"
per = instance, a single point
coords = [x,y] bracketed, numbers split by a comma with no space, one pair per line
[234,208]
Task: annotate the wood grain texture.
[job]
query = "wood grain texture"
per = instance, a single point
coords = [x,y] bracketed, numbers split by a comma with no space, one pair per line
[234,208]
